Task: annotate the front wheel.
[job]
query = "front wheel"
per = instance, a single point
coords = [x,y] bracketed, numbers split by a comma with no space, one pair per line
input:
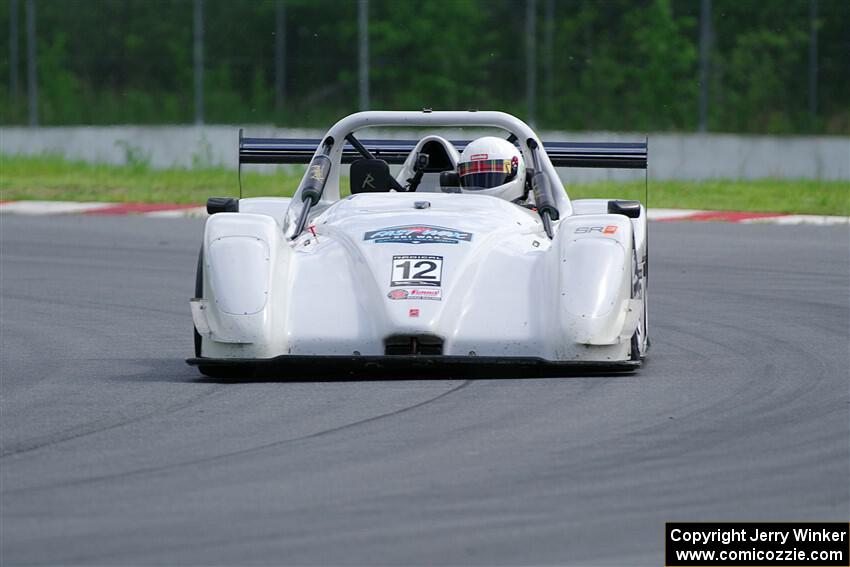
[199,292]
[634,351]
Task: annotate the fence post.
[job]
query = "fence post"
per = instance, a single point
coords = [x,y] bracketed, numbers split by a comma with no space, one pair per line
[363,37]
[13,49]
[813,59]
[280,54]
[549,58]
[531,59]
[704,53]
[32,64]
[198,28]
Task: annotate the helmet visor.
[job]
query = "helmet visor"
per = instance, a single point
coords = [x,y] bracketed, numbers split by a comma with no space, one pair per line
[485,174]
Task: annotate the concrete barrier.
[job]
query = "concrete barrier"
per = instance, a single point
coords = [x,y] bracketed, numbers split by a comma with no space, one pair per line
[671,156]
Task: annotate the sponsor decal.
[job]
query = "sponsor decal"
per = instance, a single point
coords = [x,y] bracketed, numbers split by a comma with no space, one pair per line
[434,294]
[610,229]
[416,271]
[430,294]
[418,234]
[413,313]
[316,172]
[476,157]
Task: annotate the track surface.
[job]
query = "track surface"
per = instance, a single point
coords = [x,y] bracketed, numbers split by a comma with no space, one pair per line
[115,452]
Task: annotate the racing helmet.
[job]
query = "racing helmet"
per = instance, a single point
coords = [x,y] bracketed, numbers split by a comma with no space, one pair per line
[492,166]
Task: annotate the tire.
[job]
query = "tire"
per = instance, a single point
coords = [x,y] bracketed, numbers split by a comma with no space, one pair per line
[199,292]
[640,332]
[646,340]
[634,352]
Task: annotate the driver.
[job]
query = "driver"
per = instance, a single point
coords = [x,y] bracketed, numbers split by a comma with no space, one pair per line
[492,166]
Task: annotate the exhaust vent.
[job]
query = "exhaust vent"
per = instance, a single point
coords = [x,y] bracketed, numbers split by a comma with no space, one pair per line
[428,345]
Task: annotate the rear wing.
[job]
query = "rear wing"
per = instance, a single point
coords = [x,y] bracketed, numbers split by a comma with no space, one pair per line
[621,155]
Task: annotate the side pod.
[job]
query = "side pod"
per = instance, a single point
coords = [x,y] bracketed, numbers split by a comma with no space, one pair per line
[595,280]
[244,256]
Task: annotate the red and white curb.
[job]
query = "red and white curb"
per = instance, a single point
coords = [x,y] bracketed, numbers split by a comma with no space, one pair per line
[669,215]
[166,210]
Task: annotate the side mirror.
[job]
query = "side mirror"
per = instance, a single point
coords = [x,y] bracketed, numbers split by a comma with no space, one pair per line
[370,176]
[449,182]
[630,209]
[222,205]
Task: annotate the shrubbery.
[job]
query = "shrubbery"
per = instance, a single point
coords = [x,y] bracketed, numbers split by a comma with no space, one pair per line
[612,64]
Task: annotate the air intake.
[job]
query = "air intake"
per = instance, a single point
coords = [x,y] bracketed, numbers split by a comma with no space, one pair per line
[427,345]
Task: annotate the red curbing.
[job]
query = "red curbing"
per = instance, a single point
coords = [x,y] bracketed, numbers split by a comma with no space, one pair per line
[726,216]
[138,208]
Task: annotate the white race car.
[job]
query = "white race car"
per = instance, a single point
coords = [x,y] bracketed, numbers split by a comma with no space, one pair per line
[410,272]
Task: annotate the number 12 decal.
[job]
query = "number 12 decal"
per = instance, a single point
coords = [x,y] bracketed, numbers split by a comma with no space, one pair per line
[416,271]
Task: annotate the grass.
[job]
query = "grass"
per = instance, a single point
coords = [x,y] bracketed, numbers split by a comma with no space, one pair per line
[802,196]
[54,178]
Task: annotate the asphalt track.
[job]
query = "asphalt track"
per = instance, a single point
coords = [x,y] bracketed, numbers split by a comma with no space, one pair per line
[115,452]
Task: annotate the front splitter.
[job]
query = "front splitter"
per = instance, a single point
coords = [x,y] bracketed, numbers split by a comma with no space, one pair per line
[404,366]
